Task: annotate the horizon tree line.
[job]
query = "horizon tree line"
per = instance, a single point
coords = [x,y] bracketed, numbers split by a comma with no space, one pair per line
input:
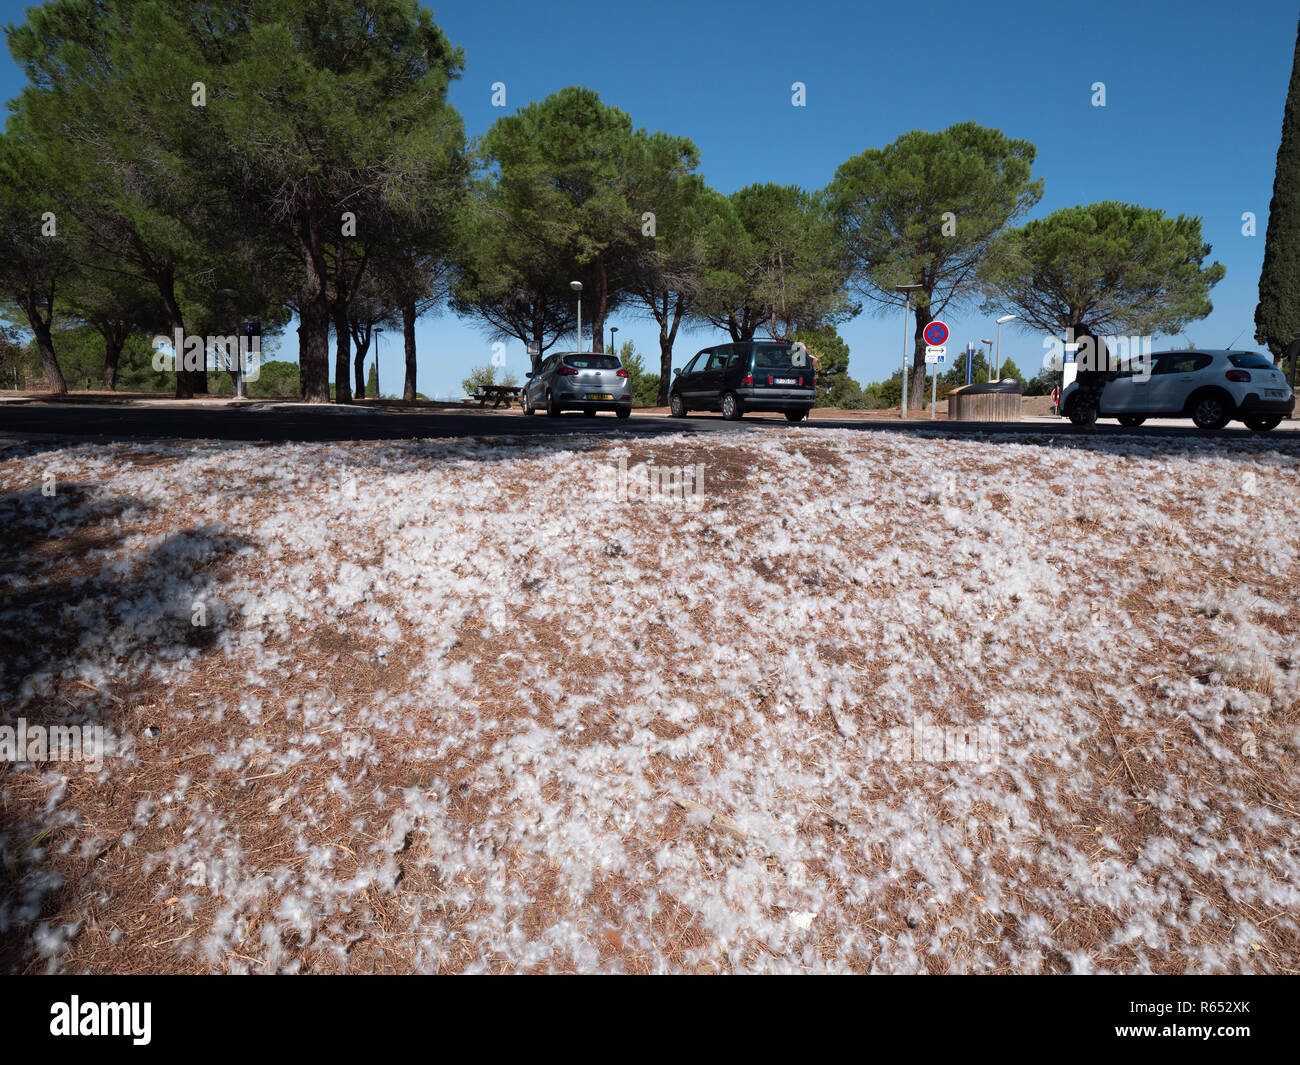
[298,159]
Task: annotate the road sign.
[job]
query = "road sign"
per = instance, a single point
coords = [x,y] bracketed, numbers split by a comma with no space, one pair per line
[936,334]
[936,355]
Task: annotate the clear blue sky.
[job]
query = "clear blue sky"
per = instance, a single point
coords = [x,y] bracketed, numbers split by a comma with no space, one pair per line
[1195,92]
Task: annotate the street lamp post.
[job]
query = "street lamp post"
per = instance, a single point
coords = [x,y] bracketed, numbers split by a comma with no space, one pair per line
[612,346]
[378,329]
[577,287]
[1001,322]
[907,291]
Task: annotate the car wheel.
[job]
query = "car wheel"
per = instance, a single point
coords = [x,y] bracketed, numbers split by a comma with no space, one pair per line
[1082,414]
[1131,420]
[624,412]
[731,407]
[676,406]
[527,404]
[1262,423]
[552,410]
[795,415]
[1211,410]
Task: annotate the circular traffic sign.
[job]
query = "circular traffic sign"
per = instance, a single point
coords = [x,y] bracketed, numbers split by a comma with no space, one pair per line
[936,333]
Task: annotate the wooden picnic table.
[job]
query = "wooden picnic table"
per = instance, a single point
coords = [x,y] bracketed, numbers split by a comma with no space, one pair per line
[498,394]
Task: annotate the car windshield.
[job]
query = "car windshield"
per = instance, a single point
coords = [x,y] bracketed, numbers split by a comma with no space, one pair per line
[778,357]
[592,362]
[1250,360]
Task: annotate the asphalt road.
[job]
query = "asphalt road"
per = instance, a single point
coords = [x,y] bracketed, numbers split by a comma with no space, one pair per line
[278,423]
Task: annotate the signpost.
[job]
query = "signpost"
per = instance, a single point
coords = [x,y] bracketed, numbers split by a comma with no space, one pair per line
[936,354]
[936,357]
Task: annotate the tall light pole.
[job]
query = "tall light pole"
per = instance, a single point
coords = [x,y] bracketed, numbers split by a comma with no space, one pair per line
[907,291]
[378,329]
[1001,322]
[612,346]
[577,287]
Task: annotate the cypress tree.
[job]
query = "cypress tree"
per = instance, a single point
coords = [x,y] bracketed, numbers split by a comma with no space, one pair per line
[1277,317]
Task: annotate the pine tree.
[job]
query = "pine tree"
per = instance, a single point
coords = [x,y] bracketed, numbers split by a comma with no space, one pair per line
[1277,317]
[372,382]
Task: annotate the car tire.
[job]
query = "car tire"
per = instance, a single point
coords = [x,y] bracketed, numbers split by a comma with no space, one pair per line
[1211,410]
[731,407]
[795,415]
[624,412]
[1132,420]
[676,407]
[1262,423]
[524,402]
[1082,414]
[552,411]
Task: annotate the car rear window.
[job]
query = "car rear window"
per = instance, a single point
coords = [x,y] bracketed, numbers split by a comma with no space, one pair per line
[592,362]
[778,357]
[1250,360]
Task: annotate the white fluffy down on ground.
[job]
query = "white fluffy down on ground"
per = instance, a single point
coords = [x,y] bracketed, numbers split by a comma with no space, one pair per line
[457,706]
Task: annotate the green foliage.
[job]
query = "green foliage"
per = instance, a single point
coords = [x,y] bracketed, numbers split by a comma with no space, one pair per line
[372,382]
[774,262]
[1104,268]
[880,395]
[481,377]
[1277,316]
[835,388]
[924,210]
[277,379]
[567,180]
[643,386]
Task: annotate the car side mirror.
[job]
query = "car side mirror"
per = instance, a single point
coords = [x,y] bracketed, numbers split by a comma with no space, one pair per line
[677,373]
[529,373]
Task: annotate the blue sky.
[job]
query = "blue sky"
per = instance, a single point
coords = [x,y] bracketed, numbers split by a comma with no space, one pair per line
[1194,98]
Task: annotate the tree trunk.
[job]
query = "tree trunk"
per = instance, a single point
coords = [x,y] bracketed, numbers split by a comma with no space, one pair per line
[313,318]
[314,350]
[361,342]
[408,349]
[49,362]
[916,387]
[602,307]
[112,353]
[667,335]
[40,326]
[187,381]
[342,354]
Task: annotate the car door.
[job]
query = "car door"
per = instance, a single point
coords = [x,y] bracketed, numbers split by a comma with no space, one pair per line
[711,378]
[688,382]
[1125,394]
[1173,380]
[537,383]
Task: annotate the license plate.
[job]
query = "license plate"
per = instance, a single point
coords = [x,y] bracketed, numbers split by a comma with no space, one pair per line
[599,395]
[1275,393]
[784,381]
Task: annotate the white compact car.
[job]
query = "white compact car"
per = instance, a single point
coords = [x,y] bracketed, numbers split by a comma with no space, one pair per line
[1210,387]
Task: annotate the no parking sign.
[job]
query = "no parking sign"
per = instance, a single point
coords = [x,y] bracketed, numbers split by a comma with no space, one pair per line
[936,334]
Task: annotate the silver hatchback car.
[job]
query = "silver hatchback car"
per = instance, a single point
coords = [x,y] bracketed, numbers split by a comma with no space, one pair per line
[586,381]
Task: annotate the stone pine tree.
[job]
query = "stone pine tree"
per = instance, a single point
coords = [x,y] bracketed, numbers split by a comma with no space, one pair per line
[1277,316]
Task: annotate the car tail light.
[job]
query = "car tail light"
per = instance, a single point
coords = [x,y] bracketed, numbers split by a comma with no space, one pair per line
[749,379]
[566,371]
[1238,375]
[621,373]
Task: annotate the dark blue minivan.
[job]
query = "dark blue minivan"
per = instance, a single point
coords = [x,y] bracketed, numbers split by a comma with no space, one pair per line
[752,375]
